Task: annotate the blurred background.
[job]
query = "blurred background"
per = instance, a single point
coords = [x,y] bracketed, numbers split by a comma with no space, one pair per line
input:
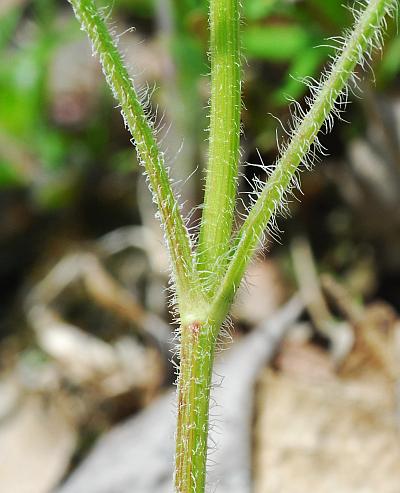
[85,332]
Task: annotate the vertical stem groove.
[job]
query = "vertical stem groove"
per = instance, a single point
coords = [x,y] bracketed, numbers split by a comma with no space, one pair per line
[197,355]
[221,178]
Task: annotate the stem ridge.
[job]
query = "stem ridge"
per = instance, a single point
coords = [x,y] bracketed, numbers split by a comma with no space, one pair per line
[224,138]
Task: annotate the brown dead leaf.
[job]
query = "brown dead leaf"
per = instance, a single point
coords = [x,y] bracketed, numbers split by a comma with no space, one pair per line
[326,431]
[36,445]
[7,5]
[265,291]
[328,437]
[305,360]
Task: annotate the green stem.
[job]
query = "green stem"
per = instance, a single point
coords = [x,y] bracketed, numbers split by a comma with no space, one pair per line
[187,285]
[220,191]
[368,27]
[201,319]
[197,355]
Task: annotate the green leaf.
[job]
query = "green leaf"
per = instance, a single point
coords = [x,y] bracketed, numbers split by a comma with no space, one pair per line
[8,24]
[9,175]
[390,65]
[257,9]
[333,11]
[306,64]
[276,42]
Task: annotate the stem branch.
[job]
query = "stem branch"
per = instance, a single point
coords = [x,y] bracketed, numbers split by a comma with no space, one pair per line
[220,190]
[367,31]
[149,154]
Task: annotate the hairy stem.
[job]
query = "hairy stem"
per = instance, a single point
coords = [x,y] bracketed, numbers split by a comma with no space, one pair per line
[220,191]
[218,272]
[149,154]
[366,33]
[197,355]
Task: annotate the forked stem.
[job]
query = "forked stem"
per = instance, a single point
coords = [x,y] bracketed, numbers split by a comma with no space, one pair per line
[216,276]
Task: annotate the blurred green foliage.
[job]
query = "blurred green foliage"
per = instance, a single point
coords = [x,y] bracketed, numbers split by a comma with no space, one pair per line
[279,40]
[26,135]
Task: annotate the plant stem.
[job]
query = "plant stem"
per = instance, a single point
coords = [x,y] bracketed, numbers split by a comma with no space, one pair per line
[368,27]
[177,238]
[220,191]
[218,272]
[197,355]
